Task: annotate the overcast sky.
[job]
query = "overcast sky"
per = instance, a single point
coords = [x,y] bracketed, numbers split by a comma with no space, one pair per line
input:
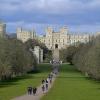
[77,15]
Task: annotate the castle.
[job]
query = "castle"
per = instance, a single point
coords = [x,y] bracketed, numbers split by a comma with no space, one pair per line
[51,39]
[62,39]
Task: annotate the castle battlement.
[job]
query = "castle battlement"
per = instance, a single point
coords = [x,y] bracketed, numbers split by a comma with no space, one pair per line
[63,38]
[25,35]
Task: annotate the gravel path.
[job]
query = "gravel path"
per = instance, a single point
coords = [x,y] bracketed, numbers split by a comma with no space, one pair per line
[38,95]
[39,92]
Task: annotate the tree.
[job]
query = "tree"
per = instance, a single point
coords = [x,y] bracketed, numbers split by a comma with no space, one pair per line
[15,59]
[47,54]
[87,59]
[68,53]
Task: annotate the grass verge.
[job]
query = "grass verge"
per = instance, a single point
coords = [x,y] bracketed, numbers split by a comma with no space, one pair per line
[72,85]
[18,86]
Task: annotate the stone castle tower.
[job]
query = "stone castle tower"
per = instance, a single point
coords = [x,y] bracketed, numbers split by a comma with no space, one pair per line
[2,29]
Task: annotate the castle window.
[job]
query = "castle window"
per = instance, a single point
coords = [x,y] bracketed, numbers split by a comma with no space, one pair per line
[56,40]
[56,46]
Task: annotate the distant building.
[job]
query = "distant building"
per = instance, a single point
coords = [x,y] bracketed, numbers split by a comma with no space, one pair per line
[62,39]
[25,35]
[2,29]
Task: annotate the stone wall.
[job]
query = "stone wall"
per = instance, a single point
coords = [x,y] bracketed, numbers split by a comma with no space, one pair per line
[39,54]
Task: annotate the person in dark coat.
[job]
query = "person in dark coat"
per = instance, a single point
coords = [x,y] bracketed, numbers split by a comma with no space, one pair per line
[46,84]
[50,80]
[46,81]
[43,88]
[34,91]
[49,76]
[29,90]
[43,81]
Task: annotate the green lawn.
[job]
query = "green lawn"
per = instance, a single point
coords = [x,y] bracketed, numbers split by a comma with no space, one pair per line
[15,87]
[72,85]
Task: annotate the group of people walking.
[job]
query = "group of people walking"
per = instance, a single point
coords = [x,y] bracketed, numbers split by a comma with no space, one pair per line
[46,83]
[32,90]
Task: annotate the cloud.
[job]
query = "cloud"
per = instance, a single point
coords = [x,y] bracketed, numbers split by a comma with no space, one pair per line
[92,29]
[49,6]
[84,14]
[40,28]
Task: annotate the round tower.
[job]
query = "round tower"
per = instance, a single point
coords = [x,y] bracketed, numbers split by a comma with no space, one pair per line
[2,29]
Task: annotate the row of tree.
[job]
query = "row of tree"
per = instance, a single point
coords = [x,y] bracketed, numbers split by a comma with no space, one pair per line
[66,55]
[15,58]
[86,57]
[47,54]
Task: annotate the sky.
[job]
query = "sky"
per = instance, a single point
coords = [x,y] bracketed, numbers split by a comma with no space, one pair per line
[77,15]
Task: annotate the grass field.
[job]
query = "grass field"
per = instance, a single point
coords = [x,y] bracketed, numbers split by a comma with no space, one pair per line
[17,86]
[72,85]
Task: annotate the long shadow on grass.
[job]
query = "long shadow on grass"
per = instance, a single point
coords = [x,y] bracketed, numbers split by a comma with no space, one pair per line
[13,81]
[42,68]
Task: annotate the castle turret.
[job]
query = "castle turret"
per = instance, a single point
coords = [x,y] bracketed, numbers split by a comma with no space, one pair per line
[2,29]
[19,30]
[49,30]
[64,30]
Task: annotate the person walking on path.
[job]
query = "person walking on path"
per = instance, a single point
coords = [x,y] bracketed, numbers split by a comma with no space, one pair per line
[43,81]
[46,85]
[29,90]
[50,80]
[43,89]
[34,91]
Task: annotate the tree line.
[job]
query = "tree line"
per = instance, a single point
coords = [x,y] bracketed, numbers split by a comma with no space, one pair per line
[15,58]
[85,57]
[47,54]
